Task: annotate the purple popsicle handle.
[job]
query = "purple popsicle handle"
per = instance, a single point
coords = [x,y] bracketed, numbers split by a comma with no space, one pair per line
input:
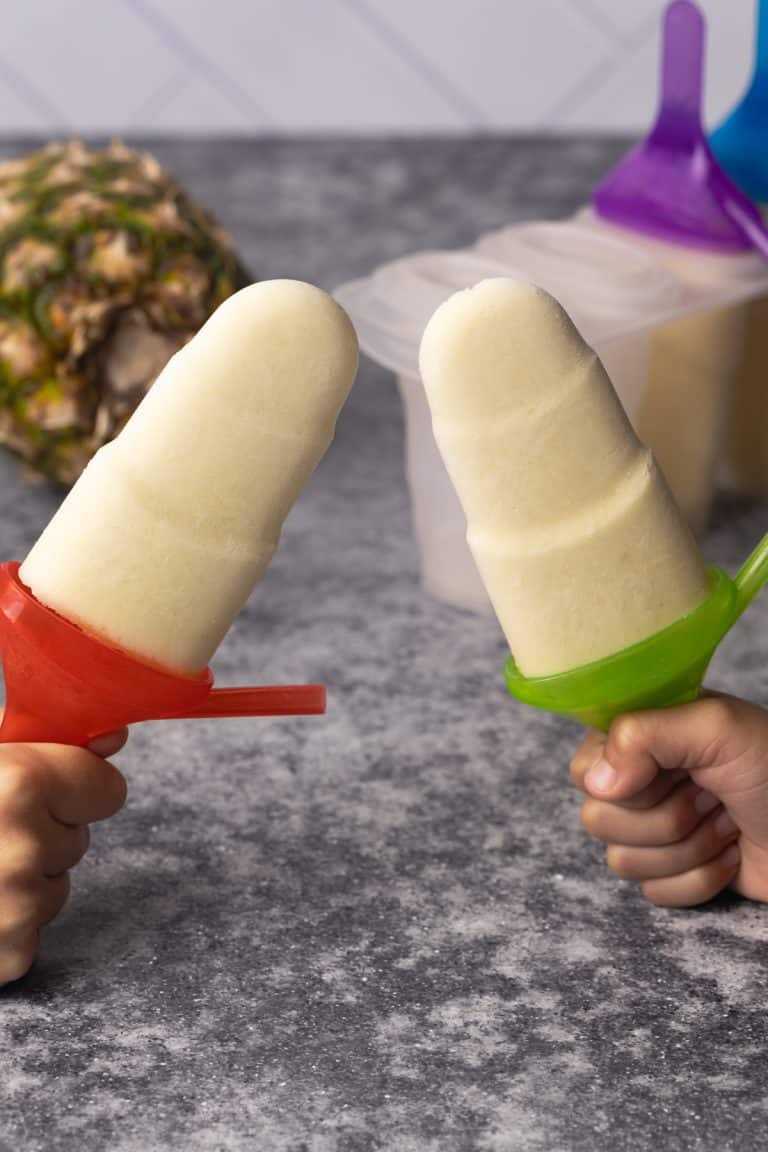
[671,186]
[682,75]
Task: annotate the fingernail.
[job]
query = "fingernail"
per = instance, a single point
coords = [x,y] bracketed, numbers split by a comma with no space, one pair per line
[725,825]
[705,802]
[731,856]
[601,777]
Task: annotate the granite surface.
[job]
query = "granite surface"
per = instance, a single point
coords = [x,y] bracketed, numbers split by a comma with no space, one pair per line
[382,929]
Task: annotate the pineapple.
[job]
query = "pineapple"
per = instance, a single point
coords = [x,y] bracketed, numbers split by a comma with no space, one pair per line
[106,269]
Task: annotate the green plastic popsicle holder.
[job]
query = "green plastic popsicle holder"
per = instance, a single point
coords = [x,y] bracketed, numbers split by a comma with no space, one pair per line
[663,670]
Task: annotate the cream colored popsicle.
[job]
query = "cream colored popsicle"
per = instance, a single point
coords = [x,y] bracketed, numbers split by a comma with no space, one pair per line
[578,540]
[162,539]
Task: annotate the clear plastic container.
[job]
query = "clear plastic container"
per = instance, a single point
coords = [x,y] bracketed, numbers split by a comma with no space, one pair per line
[692,371]
[745,449]
[617,293]
[659,286]
[671,195]
[448,569]
[615,288]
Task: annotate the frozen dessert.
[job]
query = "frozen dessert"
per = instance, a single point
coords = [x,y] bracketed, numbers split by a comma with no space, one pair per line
[581,547]
[746,437]
[165,534]
[684,411]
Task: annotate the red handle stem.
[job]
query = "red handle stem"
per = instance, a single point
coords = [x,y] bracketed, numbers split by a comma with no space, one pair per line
[289,700]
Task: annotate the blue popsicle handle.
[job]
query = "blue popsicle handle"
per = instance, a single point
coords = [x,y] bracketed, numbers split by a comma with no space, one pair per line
[761,42]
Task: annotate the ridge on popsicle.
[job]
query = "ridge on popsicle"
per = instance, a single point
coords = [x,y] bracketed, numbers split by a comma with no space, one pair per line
[161,541]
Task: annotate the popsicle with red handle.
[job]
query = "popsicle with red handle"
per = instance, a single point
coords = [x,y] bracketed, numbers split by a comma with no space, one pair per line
[121,603]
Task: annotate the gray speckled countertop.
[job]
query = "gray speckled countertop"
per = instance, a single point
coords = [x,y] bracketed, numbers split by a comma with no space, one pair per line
[380,930]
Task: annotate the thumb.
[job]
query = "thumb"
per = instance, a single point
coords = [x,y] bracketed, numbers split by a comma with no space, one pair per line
[640,744]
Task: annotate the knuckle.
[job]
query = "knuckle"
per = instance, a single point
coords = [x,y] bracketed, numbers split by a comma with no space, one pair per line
[85,840]
[618,860]
[59,899]
[627,732]
[647,799]
[657,894]
[120,789]
[17,957]
[17,960]
[57,902]
[709,842]
[24,860]
[721,716]
[18,913]
[584,755]
[707,885]
[114,787]
[677,821]
[577,771]
[19,784]
[721,710]
[590,816]
[727,864]
[65,892]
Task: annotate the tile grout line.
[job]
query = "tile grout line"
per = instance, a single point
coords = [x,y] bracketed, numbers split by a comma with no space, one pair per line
[155,103]
[474,116]
[597,75]
[598,19]
[184,49]
[32,97]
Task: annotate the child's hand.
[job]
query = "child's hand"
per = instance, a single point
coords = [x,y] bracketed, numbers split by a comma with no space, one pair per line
[681,799]
[48,795]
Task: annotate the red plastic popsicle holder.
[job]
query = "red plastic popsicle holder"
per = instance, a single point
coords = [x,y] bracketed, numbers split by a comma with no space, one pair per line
[64,686]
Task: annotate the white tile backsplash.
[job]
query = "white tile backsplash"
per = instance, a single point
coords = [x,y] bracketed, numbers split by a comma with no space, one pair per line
[238,66]
[504,57]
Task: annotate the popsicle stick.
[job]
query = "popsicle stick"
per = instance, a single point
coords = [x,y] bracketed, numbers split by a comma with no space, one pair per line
[752,576]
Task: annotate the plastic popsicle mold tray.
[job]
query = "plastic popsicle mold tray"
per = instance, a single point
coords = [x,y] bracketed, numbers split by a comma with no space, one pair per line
[613,288]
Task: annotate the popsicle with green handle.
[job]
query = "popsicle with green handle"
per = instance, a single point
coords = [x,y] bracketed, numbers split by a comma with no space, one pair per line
[665,669]
[594,576]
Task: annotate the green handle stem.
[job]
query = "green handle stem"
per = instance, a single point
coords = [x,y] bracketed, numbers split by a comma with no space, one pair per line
[752,577]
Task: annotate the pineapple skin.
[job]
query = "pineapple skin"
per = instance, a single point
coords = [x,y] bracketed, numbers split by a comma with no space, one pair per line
[107,267]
